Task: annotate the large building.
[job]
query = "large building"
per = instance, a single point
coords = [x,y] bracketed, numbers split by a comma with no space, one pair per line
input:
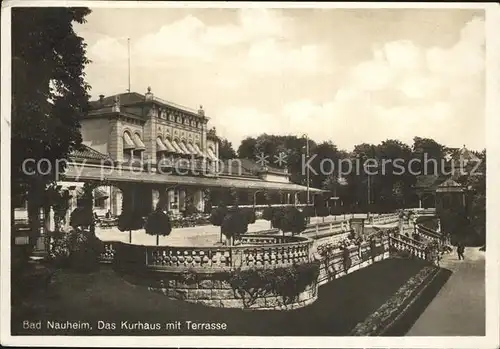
[146,148]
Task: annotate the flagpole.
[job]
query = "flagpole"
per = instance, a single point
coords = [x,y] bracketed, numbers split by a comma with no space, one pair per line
[128,45]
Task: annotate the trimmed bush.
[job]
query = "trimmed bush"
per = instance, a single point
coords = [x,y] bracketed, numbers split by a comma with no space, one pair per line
[130,221]
[250,215]
[289,219]
[158,223]
[235,223]
[81,217]
[217,215]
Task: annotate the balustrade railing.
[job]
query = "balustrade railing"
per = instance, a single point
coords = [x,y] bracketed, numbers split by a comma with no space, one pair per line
[254,251]
[401,245]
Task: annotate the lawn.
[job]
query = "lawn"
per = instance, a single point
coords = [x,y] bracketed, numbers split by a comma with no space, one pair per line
[104,296]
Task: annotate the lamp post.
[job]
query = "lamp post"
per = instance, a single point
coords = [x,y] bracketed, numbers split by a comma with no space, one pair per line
[307,167]
[363,157]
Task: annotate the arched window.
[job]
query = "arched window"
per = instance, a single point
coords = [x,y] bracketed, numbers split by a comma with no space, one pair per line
[139,147]
[128,146]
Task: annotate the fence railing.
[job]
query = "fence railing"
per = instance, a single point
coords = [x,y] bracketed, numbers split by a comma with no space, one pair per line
[254,251]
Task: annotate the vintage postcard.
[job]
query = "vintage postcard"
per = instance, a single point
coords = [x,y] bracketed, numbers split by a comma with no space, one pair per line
[246,174]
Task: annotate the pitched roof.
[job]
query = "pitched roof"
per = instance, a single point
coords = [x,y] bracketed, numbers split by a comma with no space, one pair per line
[429,181]
[87,153]
[449,183]
[125,99]
[464,154]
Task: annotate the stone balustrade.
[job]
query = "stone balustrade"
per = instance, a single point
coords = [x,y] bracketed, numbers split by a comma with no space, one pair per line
[202,274]
[401,245]
[386,218]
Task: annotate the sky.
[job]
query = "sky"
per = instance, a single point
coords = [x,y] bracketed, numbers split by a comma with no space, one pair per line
[343,75]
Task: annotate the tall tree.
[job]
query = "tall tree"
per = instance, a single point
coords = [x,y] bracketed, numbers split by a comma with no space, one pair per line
[226,150]
[430,151]
[49,96]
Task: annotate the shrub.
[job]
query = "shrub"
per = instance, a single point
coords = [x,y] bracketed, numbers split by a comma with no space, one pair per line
[217,215]
[85,250]
[81,217]
[158,223]
[59,250]
[309,211]
[190,210]
[130,221]
[267,213]
[289,219]
[235,223]
[250,215]
[287,282]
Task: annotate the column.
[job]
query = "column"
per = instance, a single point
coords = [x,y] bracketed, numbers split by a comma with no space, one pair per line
[198,200]
[155,193]
[182,199]
[419,200]
[117,202]
[170,199]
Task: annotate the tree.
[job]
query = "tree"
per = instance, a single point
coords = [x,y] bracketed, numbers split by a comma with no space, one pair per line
[289,219]
[234,224]
[233,221]
[226,150]
[49,96]
[158,223]
[129,221]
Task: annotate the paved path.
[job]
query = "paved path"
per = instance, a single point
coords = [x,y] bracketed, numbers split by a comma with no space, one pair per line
[459,307]
[205,235]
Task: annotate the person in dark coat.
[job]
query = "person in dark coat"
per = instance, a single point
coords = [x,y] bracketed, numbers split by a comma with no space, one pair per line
[460,250]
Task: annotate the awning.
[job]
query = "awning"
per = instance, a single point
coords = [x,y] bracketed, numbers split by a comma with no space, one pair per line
[191,149]
[170,147]
[160,146]
[211,154]
[100,194]
[182,145]
[198,150]
[139,145]
[127,142]
[177,148]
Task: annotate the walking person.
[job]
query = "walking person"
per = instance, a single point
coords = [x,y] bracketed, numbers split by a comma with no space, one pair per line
[460,251]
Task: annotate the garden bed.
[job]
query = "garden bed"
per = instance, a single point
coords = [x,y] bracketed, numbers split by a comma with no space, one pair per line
[105,296]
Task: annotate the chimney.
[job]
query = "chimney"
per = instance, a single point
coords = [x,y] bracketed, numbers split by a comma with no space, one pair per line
[101,99]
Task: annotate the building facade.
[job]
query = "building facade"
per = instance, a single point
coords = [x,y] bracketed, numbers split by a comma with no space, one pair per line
[148,149]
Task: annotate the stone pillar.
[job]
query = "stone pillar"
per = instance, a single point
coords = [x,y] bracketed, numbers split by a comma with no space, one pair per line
[198,200]
[182,199]
[419,200]
[170,198]
[116,207]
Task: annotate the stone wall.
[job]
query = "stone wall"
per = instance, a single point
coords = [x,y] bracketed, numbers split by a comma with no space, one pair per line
[214,289]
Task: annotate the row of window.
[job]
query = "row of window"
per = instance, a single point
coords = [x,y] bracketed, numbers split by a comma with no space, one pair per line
[133,147]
